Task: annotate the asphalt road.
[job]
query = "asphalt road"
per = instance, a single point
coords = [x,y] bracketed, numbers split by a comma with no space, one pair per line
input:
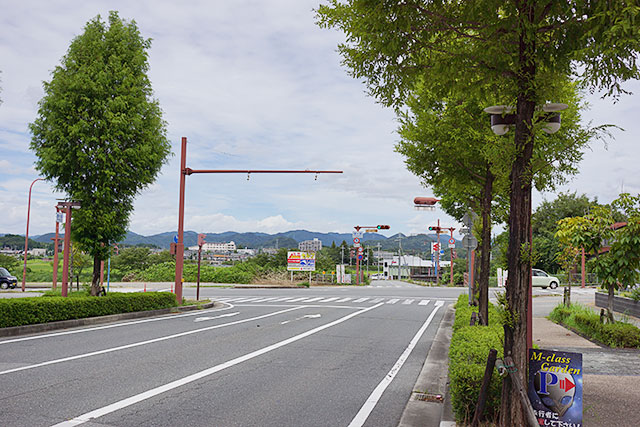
[270,357]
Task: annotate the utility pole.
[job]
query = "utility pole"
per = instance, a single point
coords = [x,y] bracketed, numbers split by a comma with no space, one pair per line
[378,258]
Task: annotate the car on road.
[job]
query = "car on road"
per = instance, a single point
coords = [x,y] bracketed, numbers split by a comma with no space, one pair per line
[543,280]
[376,276]
[7,280]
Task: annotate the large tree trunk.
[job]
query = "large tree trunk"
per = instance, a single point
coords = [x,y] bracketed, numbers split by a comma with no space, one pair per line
[485,250]
[519,249]
[95,279]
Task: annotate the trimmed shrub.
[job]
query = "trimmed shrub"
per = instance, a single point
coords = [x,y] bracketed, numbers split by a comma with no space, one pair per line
[28,311]
[468,354]
[587,322]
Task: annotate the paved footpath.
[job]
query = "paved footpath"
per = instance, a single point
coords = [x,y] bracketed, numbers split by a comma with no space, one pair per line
[611,377]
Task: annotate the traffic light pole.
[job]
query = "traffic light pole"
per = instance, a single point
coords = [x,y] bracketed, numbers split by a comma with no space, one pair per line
[184,172]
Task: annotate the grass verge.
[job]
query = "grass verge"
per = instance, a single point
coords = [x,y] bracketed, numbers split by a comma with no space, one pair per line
[587,323]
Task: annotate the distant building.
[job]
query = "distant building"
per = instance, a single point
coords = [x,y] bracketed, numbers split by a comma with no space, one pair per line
[37,252]
[310,245]
[412,267]
[216,247]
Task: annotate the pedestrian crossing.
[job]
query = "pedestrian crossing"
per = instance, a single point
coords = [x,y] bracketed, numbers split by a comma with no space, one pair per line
[321,300]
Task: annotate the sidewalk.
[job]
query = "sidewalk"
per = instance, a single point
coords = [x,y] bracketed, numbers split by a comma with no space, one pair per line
[611,378]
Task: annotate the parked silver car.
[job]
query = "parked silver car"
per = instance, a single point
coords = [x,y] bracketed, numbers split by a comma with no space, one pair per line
[544,280]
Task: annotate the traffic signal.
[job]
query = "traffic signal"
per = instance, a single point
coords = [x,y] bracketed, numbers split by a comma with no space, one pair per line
[383,227]
[432,228]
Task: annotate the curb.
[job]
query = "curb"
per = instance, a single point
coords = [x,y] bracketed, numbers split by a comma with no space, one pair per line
[89,321]
[425,406]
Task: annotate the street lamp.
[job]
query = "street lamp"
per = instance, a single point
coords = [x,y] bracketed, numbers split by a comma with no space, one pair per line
[502,119]
[26,237]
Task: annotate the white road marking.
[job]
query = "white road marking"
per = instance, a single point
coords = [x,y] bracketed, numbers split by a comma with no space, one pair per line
[375,396]
[360,300]
[247,299]
[407,301]
[424,302]
[282,299]
[202,319]
[297,299]
[117,325]
[313,299]
[330,299]
[265,299]
[344,299]
[81,419]
[377,300]
[140,343]
[393,301]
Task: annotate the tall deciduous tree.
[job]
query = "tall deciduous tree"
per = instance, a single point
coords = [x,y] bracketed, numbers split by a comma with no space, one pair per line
[518,50]
[99,134]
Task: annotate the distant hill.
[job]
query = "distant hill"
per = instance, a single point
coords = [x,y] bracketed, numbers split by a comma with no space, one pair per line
[419,243]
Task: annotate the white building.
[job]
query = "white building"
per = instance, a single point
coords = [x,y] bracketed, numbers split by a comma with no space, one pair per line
[310,245]
[412,267]
[216,247]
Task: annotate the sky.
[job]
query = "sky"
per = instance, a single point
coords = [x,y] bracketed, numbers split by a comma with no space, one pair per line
[253,84]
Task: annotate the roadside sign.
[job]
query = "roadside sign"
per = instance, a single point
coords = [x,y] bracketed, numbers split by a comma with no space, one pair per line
[360,257]
[175,239]
[301,261]
[356,245]
[59,218]
[356,240]
[357,234]
[452,241]
[467,220]
[469,241]
[555,387]
[360,249]
[371,230]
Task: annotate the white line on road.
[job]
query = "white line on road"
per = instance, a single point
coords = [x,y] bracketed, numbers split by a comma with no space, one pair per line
[393,301]
[210,371]
[375,396]
[360,300]
[137,344]
[330,299]
[117,325]
[202,319]
[377,300]
[344,299]
[313,299]
[407,301]
[424,302]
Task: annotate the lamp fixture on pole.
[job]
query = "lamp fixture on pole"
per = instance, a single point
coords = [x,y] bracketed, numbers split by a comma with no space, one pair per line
[503,117]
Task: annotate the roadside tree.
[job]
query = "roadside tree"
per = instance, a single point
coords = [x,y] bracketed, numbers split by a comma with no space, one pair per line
[99,135]
[516,49]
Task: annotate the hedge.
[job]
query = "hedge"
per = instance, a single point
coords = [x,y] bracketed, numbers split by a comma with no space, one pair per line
[587,322]
[468,354]
[28,311]
[166,272]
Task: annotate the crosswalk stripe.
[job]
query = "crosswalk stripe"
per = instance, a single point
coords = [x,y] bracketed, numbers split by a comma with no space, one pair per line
[360,300]
[282,299]
[297,299]
[344,299]
[424,302]
[265,299]
[329,299]
[247,299]
[393,301]
[312,299]
[377,300]
[407,301]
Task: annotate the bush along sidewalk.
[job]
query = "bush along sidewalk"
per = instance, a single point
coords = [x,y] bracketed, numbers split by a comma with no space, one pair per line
[29,311]
[468,354]
[587,323]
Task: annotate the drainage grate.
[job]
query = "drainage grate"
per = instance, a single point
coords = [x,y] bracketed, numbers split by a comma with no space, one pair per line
[426,397]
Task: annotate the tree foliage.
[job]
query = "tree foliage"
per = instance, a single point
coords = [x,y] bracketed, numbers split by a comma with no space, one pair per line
[99,135]
[522,50]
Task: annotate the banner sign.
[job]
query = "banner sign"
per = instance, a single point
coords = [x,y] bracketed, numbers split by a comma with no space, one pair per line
[555,387]
[301,261]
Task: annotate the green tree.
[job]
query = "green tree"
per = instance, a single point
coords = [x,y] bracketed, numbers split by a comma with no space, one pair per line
[517,49]
[80,262]
[132,259]
[99,134]
[9,262]
[544,223]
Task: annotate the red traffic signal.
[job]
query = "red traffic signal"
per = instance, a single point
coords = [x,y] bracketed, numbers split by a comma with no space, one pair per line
[201,240]
[383,227]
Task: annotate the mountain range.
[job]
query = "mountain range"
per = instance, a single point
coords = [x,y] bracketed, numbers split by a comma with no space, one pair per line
[289,239]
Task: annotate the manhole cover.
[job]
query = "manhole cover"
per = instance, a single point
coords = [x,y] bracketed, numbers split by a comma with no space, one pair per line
[426,397]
